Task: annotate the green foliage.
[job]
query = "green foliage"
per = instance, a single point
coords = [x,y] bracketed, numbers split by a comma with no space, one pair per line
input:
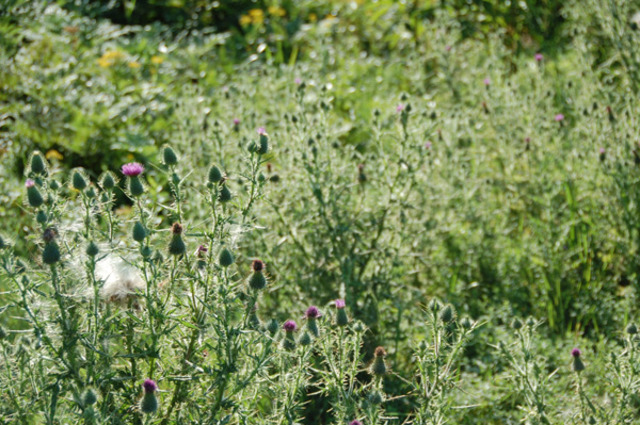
[387,154]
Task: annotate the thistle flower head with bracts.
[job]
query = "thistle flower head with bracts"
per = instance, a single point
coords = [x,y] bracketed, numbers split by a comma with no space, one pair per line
[339,303]
[290,326]
[132,169]
[312,313]
[149,386]
[576,352]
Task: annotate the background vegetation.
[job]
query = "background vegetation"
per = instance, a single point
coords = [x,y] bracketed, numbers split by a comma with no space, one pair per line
[484,153]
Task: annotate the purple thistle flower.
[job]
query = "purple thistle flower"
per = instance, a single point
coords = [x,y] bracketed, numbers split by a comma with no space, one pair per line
[133,169]
[427,145]
[559,117]
[400,108]
[602,151]
[312,313]
[29,183]
[236,121]
[298,81]
[290,326]
[487,81]
[340,303]
[527,139]
[355,422]
[447,48]
[539,57]
[262,130]
[149,386]
[576,352]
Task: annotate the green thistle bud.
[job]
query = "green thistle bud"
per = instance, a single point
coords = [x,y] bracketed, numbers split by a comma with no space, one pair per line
[312,325]
[146,251]
[51,253]
[225,194]
[305,339]
[215,175]
[54,185]
[379,367]
[448,314]
[37,163]
[466,323]
[632,329]
[375,397]
[3,243]
[434,305]
[177,246]
[263,146]
[41,217]
[169,156]
[78,180]
[273,326]
[107,182]
[516,324]
[34,197]
[530,322]
[90,397]
[91,192]
[226,258]
[139,232]
[92,249]
[149,403]
[135,186]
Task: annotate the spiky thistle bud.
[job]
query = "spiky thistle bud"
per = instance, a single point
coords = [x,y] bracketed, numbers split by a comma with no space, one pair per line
[90,397]
[92,249]
[434,305]
[107,181]
[448,314]
[149,402]
[225,194]
[33,194]
[312,315]
[341,315]
[257,280]
[375,397]
[37,163]
[517,324]
[51,253]
[226,258]
[305,339]
[289,342]
[632,329]
[133,171]
[78,181]
[263,144]
[215,175]
[176,246]
[578,366]
[139,232]
[169,156]
[273,326]
[379,367]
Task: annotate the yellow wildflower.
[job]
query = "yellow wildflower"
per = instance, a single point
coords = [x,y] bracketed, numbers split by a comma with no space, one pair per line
[109,58]
[245,20]
[313,17]
[53,154]
[157,60]
[134,65]
[277,11]
[257,16]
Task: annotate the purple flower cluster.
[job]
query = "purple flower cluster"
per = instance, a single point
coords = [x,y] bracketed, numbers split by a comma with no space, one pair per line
[133,169]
